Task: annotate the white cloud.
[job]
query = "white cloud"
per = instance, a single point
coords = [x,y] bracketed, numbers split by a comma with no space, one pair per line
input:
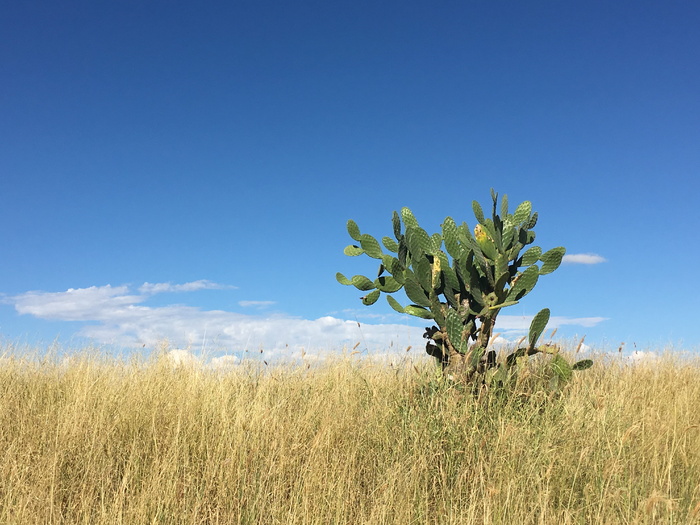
[583,348]
[224,361]
[82,304]
[118,317]
[639,356]
[257,304]
[517,322]
[583,258]
[182,358]
[500,342]
[364,313]
[202,284]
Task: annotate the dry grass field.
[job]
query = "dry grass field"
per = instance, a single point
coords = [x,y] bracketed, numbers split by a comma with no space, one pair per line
[92,440]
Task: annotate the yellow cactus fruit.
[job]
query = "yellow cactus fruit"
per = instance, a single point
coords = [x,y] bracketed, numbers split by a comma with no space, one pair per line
[484,241]
[479,233]
[436,269]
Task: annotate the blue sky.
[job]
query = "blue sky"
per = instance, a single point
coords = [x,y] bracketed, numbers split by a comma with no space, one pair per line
[185,170]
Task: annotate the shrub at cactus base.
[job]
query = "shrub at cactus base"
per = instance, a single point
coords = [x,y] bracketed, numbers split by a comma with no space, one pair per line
[461,281]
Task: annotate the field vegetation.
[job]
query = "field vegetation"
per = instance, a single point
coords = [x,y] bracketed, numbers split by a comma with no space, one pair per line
[96,440]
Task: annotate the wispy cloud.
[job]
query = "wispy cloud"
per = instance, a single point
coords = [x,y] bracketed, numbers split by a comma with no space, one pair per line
[202,284]
[118,316]
[519,323]
[256,304]
[82,304]
[584,258]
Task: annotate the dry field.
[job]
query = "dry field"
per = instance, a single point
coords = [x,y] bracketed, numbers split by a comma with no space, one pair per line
[93,440]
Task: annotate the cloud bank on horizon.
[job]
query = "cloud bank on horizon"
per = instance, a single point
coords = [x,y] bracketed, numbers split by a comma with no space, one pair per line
[116,315]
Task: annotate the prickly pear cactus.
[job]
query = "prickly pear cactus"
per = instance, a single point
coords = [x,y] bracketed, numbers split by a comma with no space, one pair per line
[461,281]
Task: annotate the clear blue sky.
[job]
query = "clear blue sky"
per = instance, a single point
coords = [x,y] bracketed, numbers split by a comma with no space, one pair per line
[185,170]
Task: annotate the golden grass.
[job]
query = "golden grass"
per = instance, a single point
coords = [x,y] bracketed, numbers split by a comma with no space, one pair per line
[93,440]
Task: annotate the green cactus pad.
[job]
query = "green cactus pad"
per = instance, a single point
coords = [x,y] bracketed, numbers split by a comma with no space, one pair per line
[395,304]
[416,293]
[504,205]
[394,267]
[512,359]
[497,376]
[387,284]
[396,223]
[371,298]
[508,238]
[539,323]
[353,250]
[478,212]
[342,279]
[503,305]
[390,244]
[561,368]
[548,349]
[522,212]
[455,331]
[464,233]
[531,256]
[475,356]
[485,269]
[479,256]
[451,298]
[353,230]
[438,310]
[436,239]
[418,312]
[501,266]
[419,242]
[423,271]
[501,281]
[551,260]
[533,221]
[475,290]
[524,284]
[451,279]
[449,235]
[489,249]
[491,230]
[515,250]
[408,218]
[371,246]
[362,283]
[403,253]
[584,364]
[491,299]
